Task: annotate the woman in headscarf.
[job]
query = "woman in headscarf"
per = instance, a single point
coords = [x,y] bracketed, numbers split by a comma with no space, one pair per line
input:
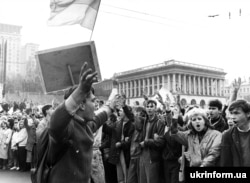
[5,137]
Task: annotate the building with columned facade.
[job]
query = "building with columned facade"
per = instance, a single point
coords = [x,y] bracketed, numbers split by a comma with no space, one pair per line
[103,89]
[197,83]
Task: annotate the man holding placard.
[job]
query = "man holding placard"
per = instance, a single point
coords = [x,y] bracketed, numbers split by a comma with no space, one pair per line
[71,131]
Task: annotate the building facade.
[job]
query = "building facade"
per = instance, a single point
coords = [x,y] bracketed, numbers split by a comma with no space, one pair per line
[197,83]
[11,34]
[243,93]
[103,89]
[28,57]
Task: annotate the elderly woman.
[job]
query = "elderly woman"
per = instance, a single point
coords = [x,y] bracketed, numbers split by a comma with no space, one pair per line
[5,137]
[202,141]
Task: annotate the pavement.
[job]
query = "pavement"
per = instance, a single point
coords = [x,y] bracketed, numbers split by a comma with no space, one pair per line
[8,176]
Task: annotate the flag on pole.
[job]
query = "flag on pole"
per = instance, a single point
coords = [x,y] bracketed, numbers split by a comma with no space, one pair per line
[69,12]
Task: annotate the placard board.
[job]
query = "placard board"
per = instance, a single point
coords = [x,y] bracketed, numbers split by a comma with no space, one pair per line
[59,66]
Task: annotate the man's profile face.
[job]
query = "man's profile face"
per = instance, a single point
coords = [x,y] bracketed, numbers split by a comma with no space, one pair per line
[151,109]
[239,117]
[88,112]
[213,112]
[49,111]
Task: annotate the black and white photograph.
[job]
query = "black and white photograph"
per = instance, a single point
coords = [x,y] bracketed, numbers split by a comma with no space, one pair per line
[124,91]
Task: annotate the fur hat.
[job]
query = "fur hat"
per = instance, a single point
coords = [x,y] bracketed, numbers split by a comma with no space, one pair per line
[197,111]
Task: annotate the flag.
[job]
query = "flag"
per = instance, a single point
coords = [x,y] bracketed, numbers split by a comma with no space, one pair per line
[69,12]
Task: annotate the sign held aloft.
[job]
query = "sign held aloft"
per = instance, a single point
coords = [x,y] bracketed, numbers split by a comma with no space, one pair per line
[60,67]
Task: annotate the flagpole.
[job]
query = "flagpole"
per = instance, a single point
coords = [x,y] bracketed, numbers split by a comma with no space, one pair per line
[95,21]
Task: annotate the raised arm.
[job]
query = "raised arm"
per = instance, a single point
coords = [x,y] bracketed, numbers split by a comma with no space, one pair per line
[61,117]
[179,136]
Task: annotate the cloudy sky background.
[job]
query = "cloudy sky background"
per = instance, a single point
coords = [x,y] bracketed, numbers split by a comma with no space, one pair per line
[135,33]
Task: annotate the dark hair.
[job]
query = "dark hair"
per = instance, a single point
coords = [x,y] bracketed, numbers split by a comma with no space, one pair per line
[45,108]
[113,117]
[242,104]
[5,107]
[128,112]
[152,102]
[159,111]
[215,103]
[69,91]
[182,111]
[141,110]
[11,122]
[28,111]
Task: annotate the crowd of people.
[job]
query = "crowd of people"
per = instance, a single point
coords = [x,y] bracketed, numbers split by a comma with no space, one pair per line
[19,124]
[118,143]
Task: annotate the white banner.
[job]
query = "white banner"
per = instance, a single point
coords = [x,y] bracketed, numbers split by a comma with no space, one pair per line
[164,92]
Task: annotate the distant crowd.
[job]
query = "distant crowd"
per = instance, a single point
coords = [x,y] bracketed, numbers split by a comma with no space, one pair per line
[19,122]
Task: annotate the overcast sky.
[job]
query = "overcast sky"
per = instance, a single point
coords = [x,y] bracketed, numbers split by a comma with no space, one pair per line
[134,33]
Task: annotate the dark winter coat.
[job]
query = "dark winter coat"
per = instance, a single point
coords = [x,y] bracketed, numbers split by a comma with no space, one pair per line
[172,148]
[154,145]
[116,135]
[75,164]
[230,149]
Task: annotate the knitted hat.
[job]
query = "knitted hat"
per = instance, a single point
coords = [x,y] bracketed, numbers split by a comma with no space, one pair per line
[3,118]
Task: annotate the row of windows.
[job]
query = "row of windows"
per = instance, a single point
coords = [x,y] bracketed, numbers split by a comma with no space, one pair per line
[244,90]
[138,91]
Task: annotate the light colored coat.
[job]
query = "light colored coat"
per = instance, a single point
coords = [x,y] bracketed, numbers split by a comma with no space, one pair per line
[22,137]
[14,140]
[5,137]
[204,153]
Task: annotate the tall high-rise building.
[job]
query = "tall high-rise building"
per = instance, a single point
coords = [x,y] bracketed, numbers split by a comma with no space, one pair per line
[28,58]
[11,34]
